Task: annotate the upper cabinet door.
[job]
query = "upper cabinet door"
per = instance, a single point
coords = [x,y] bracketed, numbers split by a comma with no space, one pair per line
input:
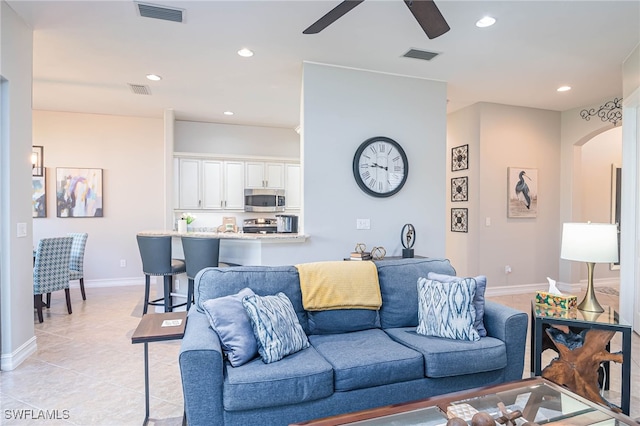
[190,184]
[255,174]
[234,185]
[293,198]
[274,175]
[212,185]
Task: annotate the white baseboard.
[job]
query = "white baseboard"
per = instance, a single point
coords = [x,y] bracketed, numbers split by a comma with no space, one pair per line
[11,361]
[109,282]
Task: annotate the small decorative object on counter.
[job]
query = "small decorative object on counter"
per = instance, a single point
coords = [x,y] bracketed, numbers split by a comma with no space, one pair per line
[554,298]
[408,239]
[182,226]
[188,217]
[378,253]
[360,252]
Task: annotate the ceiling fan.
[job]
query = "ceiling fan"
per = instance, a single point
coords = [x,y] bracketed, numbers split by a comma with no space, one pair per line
[425,11]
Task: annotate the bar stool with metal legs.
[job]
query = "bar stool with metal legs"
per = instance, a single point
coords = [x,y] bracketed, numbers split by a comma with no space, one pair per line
[199,253]
[156,260]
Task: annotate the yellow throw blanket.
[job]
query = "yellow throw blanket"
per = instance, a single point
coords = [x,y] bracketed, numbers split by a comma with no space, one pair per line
[339,285]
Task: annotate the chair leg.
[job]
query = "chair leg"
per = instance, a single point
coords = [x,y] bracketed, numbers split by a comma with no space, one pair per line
[37,303]
[67,295]
[168,284]
[84,296]
[48,304]
[147,284]
[189,294]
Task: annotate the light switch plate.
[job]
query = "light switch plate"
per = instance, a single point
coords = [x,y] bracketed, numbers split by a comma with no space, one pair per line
[21,230]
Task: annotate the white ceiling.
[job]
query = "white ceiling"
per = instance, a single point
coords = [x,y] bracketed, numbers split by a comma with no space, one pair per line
[85,53]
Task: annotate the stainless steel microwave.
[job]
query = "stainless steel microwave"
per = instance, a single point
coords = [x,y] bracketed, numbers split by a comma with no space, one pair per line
[264,200]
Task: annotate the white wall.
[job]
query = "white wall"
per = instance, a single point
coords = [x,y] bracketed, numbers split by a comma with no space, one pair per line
[236,140]
[16,259]
[502,136]
[130,152]
[341,108]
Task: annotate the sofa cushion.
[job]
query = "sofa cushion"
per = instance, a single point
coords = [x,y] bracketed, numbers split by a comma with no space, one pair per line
[342,321]
[303,376]
[398,280]
[210,283]
[230,321]
[446,309]
[368,358]
[448,357]
[275,325]
[478,299]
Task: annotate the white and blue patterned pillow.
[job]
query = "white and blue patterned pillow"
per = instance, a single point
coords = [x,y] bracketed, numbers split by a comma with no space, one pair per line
[275,325]
[446,309]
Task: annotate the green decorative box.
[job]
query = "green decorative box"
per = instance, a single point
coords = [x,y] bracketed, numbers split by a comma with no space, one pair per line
[562,301]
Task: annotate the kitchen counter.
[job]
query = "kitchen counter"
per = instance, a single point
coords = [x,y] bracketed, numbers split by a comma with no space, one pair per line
[265,238]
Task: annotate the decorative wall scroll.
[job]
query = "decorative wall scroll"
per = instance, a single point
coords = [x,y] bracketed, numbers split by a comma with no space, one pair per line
[611,111]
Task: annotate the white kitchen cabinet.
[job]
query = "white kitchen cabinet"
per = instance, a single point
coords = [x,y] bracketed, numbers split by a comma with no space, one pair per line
[261,174]
[293,187]
[211,184]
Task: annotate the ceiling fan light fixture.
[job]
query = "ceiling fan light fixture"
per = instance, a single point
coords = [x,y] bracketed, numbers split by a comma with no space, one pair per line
[563,88]
[245,53]
[485,22]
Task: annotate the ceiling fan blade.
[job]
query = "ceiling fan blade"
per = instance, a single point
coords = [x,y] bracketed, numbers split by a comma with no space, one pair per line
[332,16]
[429,17]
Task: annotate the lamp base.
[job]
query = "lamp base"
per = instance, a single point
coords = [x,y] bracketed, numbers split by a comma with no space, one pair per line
[590,303]
[407,253]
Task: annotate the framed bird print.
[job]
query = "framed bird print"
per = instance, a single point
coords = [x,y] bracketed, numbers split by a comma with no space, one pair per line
[460,189]
[522,187]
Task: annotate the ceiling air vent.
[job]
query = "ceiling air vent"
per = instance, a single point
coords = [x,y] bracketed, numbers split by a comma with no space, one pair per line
[160,12]
[420,54]
[139,89]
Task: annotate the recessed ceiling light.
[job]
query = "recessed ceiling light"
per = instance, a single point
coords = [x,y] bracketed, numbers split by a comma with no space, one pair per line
[245,53]
[564,88]
[228,113]
[154,77]
[487,21]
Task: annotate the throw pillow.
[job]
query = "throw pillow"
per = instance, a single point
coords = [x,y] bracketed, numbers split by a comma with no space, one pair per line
[478,299]
[275,326]
[446,309]
[230,321]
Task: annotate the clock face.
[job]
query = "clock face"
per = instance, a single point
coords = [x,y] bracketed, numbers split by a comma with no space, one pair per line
[380,166]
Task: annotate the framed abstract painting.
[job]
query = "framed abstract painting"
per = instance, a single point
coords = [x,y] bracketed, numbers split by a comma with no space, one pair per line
[78,192]
[38,196]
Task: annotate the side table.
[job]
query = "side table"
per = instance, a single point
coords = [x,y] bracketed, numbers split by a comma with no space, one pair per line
[157,328]
[575,318]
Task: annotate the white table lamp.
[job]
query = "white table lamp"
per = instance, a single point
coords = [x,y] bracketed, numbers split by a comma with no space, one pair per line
[591,243]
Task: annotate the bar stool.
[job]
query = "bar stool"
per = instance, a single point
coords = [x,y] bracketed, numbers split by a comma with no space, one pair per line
[199,253]
[156,260]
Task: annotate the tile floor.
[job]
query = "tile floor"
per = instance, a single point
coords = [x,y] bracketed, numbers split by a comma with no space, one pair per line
[87,372]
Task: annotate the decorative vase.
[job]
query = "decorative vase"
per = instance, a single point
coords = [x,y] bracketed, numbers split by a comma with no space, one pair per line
[182,226]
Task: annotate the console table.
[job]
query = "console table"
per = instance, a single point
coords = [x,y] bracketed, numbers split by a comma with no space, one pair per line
[543,317]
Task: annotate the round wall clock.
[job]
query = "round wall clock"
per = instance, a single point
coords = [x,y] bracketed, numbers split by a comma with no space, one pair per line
[380,166]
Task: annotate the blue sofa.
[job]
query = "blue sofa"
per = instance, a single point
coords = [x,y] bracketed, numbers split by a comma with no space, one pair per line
[355,361]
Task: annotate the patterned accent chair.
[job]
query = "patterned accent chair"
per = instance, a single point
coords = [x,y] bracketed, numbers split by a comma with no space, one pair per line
[156,260]
[76,264]
[51,271]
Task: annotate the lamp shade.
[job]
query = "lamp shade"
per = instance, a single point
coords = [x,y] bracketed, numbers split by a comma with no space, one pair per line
[590,242]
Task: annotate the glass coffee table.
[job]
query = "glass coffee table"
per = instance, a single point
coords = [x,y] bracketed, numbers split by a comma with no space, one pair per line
[534,400]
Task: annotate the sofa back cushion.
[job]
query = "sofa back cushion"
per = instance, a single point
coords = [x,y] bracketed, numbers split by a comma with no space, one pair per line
[399,287]
[342,321]
[211,283]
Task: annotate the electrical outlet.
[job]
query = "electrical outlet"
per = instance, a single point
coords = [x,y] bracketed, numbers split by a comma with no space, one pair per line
[507,269]
[21,230]
[123,263]
[363,223]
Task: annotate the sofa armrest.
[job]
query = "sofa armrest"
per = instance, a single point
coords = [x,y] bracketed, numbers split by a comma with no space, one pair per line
[510,326]
[201,370]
